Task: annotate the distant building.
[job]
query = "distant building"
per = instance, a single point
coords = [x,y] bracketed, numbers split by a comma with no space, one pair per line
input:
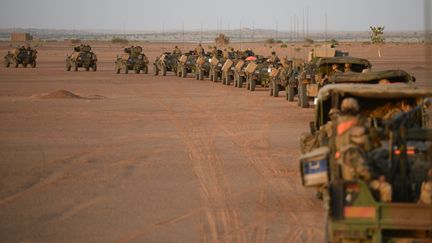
[19,37]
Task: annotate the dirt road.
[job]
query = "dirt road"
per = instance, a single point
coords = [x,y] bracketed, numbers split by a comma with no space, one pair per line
[139,158]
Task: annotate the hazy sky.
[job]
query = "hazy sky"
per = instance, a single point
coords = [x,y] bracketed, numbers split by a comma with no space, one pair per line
[154,14]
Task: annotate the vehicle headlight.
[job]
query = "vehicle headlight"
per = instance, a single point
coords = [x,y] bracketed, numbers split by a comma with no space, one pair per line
[269,70]
[188,62]
[233,68]
[209,59]
[256,72]
[308,76]
[220,65]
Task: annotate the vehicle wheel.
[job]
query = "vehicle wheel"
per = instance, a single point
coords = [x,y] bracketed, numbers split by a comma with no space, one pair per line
[25,65]
[211,75]
[290,93]
[145,69]
[87,68]
[275,89]
[235,82]
[183,73]
[201,75]
[137,70]
[33,64]
[75,67]
[240,81]
[164,70]
[94,68]
[227,80]
[155,70]
[271,89]
[304,102]
[179,72]
[125,69]
[252,84]
[16,64]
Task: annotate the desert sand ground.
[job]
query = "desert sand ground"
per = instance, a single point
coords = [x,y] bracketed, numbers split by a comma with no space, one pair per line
[143,158]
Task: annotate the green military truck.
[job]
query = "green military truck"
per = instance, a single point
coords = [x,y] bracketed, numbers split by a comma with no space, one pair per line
[23,56]
[134,59]
[258,72]
[186,64]
[167,62]
[316,74]
[216,63]
[354,212]
[285,79]
[82,56]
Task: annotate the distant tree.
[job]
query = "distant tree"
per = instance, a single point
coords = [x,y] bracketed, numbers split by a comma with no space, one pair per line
[309,40]
[284,46]
[270,41]
[334,42]
[222,39]
[377,38]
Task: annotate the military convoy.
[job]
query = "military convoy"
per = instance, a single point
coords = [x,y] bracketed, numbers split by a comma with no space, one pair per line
[132,59]
[167,62]
[202,66]
[21,56]
[82,56]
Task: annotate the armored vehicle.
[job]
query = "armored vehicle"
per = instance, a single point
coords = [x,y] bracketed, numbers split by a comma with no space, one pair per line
[316,74]
[216,63]
[132,59]
[23,56]
[285,78]
[258,73]
[202,66]
[167,62]
[82,56]
[186,64]
[398,156]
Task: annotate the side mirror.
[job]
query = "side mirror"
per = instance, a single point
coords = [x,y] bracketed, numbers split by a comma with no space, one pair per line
[312,127]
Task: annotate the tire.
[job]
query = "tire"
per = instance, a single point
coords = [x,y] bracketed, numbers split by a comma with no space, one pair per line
[227,80]
[211,75]
[290,93]
[304,101]
[33,64]
[275,89]
[178,71]
[271,91]
[137,70]
[252,84]
[94,68]
[68,66]
[201,75]
[118,69]
[164,70]
[75,67]
[183,73]
[197,75]
[125,69]
[240,81]
[155,70]
[145,69]
[25,65]
[87,68]
[6,63]
[235,82]
[16,64]
[215,77]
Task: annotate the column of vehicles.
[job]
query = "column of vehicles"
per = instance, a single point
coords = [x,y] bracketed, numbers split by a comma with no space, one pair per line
[368,154]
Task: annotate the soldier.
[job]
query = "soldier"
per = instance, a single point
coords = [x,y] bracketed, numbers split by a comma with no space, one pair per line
[214,51]
[426,190]
[177,51]
[273,58]
[347,68]
[199,50]
[351,141]
[335,68]
[383,187]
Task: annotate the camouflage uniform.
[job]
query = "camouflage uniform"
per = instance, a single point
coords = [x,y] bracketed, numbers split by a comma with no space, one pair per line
[335,68]
[199,50]
[351,142]
[273,58]
[326,130]
[177,51]
[347,68]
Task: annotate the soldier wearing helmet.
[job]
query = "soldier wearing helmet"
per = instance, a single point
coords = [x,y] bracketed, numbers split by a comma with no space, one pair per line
[273,59]
[326,131]
[199,50]
[351,141]
[177,51]
[347,68]
[426,190]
